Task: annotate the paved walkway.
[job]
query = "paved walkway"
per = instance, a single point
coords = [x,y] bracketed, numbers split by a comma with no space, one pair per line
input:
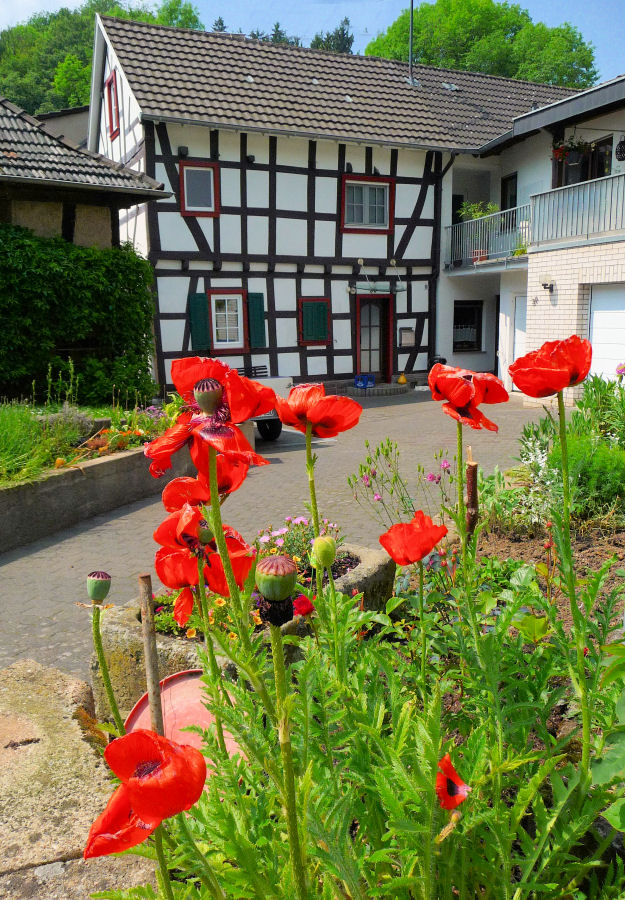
[40,583]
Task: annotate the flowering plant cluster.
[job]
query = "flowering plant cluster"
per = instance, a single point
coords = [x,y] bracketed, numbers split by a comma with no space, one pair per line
[404,758]
[295,538]
[561,150]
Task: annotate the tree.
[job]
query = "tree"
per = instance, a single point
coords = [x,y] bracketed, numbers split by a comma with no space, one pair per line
[338,41]
[491,37]
[72,81]
[180,14]
[278,36]
[219,25]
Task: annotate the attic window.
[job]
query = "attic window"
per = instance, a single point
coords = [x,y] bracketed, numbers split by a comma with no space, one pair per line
[110,87]
[449,86]
[199,189]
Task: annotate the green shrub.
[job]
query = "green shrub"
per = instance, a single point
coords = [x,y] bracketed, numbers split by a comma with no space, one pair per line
[62,302]
[597,472]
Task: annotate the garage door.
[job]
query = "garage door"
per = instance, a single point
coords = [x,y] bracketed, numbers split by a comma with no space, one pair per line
[607,328]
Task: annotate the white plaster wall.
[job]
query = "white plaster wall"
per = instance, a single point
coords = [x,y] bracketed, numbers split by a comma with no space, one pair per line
[340,297]
[312,287]
[364,246]
[160,173]
[342,334]
[258,146]
[172,294]
[195,137]
[324,239]
[286,332]
[343,365]
[327,155]
[405,198]
[230,233]
[326,194]
[174,234]
[291,191]
[531,160]
[230,185]
[292,151]
[257,234]
[291,237]
[257,188]
[317,365]
[466,287]
[284,291]
[598,127]
[172,334]
[288,365]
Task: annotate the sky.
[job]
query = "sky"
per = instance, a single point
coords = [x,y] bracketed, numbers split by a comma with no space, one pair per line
[601,22]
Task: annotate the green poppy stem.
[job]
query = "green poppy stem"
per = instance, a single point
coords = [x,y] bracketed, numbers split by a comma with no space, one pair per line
[578,623]
[162,871]
[207,876]
[423,634]
[210,651]
[286,751]
[314,509]
[104,669]
[462,513]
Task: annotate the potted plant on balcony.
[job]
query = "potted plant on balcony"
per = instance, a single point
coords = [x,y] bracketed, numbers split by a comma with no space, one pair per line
[478,210]
[570,152]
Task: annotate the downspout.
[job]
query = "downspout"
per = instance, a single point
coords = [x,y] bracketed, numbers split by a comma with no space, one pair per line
[410,42]
[436,254]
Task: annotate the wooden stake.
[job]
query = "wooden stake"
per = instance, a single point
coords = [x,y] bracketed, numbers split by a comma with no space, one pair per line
[151,657]
[473,502]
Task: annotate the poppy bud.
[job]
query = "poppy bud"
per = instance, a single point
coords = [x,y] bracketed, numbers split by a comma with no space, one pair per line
[98,586]
[276,577]
[204,532]
[208,393]
[323,552]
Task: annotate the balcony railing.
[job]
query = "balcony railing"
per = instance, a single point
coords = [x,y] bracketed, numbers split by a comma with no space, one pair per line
[579,211]
[496,236]
[567,215]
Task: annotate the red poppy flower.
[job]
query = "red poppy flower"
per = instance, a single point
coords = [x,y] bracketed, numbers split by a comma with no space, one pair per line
[162,778]
[117,828]
[302,606]
[328,415]
[556,365]
[464,390]
[450,788]
[409,542]
[243,397]
[227,440]
[231,473]
[176,561]
[161,449]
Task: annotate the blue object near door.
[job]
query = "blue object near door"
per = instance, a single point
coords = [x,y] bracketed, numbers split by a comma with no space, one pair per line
[364,381]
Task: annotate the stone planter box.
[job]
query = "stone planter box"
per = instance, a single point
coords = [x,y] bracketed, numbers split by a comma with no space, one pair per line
[122,637]
[64,497]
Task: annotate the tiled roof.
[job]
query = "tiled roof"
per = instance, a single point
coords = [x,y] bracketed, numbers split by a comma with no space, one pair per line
[230,81]
[29,153]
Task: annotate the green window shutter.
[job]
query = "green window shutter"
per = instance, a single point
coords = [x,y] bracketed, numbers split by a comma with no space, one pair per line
[314,321]
[199,321]
[256,320]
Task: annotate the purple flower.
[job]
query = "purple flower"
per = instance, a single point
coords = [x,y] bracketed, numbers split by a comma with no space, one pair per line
[620,369]
[288,519]
[445,465]
[300,520]
[373,473]
[377,497]
[264,539]
[279,542]
[431,476]
[365,480]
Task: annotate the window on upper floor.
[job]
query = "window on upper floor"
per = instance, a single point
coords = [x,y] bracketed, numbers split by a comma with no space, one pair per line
[199,189]
[367,204]
[584,163]
[467,333]
[112,102]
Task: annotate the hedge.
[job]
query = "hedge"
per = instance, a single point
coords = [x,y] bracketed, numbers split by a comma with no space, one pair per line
[59,301]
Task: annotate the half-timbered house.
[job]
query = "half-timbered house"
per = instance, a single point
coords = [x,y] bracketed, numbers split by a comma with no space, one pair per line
[303,234]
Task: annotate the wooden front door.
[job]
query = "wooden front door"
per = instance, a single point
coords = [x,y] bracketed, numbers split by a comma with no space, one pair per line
[373,327]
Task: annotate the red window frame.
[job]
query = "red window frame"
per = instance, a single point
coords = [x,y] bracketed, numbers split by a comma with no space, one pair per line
[300,321]
[368,229]
[226,292]
[113,110]
[200,164]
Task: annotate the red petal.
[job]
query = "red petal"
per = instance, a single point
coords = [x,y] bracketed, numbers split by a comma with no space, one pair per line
[451,790]
[410,542]
[185,374]
[117,828]
[185,490]
[333,414]
[183,607]
[551,368]
[176,568]
[160,450]
[471,416]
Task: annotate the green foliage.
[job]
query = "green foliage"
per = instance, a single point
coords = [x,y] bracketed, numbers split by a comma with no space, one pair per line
[597,473]
[62,301]
[45,63]
[338,41]
[277,35]
[219,25]
[490,37]
[478,210]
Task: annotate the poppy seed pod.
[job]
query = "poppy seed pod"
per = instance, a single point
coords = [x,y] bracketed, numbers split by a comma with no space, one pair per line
[98,586]
[208,393]
[276,577]
[324,551]
[204,532]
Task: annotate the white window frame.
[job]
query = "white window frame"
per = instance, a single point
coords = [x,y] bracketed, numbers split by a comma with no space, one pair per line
[366,187]
[230,298]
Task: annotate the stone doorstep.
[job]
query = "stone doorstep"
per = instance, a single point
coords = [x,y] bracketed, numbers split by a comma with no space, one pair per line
[53,784]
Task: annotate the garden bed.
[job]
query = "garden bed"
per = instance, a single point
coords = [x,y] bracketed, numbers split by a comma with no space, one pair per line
[122,637]
[64,497]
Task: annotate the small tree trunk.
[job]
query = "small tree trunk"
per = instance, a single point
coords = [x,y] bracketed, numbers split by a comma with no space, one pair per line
[473,502]
[151,658]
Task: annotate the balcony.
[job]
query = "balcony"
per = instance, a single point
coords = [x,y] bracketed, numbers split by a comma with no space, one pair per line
[500,236]
[592,211]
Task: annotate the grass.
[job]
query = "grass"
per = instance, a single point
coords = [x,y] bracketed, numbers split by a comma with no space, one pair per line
[29,446]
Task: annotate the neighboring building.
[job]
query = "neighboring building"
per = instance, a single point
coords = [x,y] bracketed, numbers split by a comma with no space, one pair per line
[310,194]
[50,186]
[552,263]
[71,124]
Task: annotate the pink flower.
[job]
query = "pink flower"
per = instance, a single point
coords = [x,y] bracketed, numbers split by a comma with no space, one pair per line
[445,465]
[279,542]
[365,480]
[264,539]
[377,497]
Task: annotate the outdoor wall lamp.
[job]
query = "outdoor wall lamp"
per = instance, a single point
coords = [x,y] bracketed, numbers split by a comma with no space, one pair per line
[183,152]
[250,160]
[548,286]
[546,280]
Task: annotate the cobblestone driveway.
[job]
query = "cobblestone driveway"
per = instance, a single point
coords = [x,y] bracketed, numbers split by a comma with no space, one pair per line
[40,583]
